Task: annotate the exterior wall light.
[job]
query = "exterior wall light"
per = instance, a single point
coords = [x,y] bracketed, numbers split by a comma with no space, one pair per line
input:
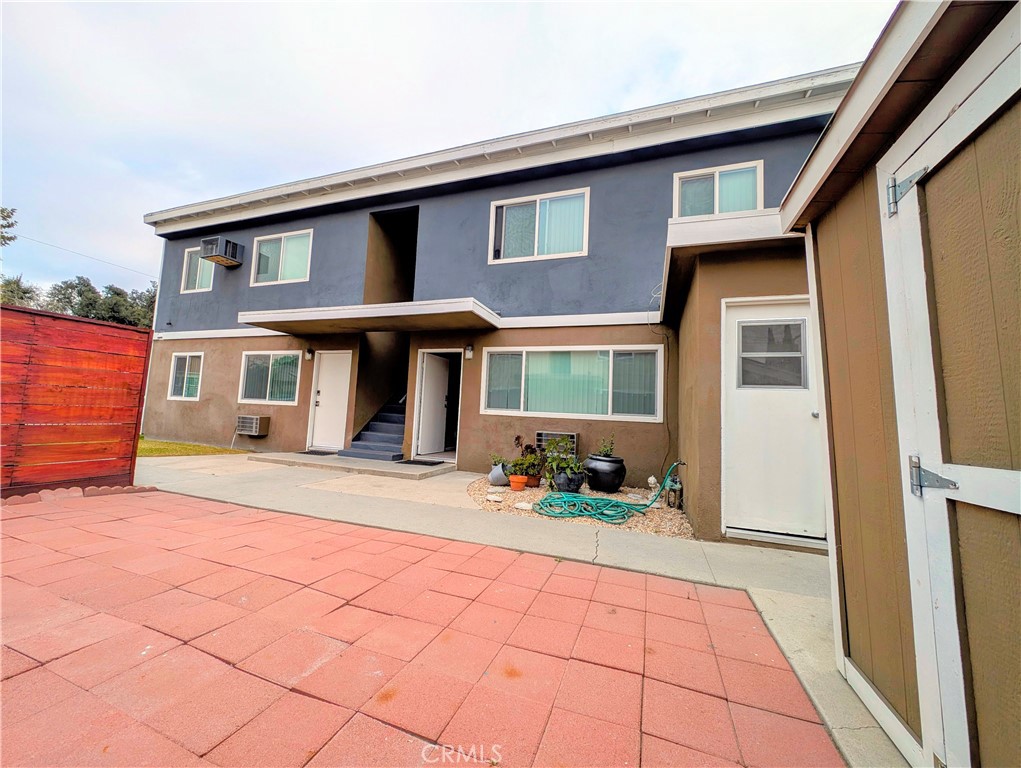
[469,351]
[308,353]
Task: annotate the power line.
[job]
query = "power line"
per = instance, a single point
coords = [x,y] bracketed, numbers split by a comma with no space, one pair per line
[79,253]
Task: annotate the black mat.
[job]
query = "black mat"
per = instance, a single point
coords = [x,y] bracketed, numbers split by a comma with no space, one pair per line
[421,462]
[318,453]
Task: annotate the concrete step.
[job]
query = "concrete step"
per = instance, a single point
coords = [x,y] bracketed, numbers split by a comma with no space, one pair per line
[384,427]
[393,438]
[369,445]
[376,455]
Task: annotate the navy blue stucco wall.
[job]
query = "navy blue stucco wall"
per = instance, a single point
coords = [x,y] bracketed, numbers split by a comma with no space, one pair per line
[629,206]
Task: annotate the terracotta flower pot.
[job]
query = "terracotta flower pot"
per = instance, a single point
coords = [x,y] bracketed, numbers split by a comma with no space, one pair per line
[532,481]
[518,482]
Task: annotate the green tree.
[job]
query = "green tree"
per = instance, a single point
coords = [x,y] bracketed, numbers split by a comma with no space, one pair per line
[7,223]
[115,307]
[145,305]
[74,297]
[15,291]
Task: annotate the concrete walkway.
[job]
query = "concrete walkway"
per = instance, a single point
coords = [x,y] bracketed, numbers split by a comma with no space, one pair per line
[790,589]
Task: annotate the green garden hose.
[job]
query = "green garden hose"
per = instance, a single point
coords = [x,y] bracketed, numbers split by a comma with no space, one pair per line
[558,504]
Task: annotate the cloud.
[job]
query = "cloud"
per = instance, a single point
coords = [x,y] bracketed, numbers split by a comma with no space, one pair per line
[114,110]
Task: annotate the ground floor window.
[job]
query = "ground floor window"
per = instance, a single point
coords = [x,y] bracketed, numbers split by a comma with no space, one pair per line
[269,377]
[185,376]
[609,383]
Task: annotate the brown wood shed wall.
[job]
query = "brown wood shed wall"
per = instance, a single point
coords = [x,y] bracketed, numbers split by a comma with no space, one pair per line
[71,400]
[871,539]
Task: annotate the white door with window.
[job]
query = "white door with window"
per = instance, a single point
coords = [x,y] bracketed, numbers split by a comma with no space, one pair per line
[772,462]
[330,399]
[432,407]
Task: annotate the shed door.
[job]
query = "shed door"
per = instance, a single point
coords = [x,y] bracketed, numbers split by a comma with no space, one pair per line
[772,465]
[951,252]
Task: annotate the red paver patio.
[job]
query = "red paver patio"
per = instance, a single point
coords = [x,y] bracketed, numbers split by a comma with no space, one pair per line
[157,629]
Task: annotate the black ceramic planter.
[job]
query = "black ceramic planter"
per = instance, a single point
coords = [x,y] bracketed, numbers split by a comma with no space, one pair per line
[568,483]
[605,473]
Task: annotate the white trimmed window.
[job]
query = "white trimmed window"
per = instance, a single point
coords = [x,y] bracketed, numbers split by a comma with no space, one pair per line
[712,191]
[198,272]
[772,355]
[611,383]
[270,377]
[185,376]
[552,226]
[282,258]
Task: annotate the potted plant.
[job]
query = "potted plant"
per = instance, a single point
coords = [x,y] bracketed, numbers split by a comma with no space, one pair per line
[528,465]
[498,474]
[563,470]
[518,476]
[606,472]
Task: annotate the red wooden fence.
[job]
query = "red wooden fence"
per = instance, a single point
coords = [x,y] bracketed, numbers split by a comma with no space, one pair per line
[70,400]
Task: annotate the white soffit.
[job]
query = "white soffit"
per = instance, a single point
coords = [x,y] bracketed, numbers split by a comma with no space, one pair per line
[785,100]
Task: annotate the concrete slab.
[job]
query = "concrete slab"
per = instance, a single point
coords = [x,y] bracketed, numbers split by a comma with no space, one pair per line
[449,489]
[347,464]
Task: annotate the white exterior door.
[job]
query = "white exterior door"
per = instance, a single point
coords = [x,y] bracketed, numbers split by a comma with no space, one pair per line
[772,463]
[929,478]
[432,406]
[330,398]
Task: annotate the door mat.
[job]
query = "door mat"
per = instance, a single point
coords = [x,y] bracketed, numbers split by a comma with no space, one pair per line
[421,462]
[318,453]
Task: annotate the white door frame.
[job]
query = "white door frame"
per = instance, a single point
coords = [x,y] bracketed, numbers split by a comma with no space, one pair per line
[418,397]
[814,351]
[315,386]
[985,83]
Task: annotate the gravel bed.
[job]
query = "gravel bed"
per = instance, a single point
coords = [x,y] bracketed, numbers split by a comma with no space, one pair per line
[661,521]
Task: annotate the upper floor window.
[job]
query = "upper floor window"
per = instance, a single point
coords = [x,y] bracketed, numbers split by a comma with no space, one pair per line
[270,377]
[198,272]
[282,258]
[549,226]
[711,191]
[185,376]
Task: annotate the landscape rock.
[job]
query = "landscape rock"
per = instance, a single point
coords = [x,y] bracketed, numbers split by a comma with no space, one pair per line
[494,497]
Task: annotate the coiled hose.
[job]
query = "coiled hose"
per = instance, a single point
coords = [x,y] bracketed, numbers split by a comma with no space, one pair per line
[559,504]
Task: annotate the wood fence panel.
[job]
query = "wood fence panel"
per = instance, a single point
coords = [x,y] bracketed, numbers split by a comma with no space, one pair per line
[71,400]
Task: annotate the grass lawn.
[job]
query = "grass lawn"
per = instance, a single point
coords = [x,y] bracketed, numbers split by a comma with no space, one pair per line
[167,448]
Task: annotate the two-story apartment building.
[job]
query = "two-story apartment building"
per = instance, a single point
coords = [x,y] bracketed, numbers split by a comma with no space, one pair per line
[625,275]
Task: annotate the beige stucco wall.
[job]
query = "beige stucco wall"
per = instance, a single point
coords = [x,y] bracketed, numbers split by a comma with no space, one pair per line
[212,418]
[768,272]
[646,447]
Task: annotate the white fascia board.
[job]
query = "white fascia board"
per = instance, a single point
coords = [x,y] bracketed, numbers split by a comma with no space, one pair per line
[359,311]
[718,113]
[903,35]
[577,321]
[747,226]
[223,333]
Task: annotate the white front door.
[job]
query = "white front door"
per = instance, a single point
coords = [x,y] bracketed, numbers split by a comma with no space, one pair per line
[330,397]
[772,473]
[432,420]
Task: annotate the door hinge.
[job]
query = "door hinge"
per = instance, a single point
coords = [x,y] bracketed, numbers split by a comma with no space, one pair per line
[923,478]
[895,191]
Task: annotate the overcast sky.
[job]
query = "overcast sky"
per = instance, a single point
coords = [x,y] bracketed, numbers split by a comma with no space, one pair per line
[111,111]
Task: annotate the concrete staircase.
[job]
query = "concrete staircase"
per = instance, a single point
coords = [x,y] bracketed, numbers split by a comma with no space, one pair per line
[383,437]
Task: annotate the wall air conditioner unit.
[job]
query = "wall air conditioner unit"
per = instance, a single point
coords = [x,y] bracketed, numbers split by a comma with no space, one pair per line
[253,426]
[220,250]
[541,438]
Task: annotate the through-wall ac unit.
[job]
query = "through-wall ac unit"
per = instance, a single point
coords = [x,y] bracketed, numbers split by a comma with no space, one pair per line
[253,426]
[220,250]
[541,438]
